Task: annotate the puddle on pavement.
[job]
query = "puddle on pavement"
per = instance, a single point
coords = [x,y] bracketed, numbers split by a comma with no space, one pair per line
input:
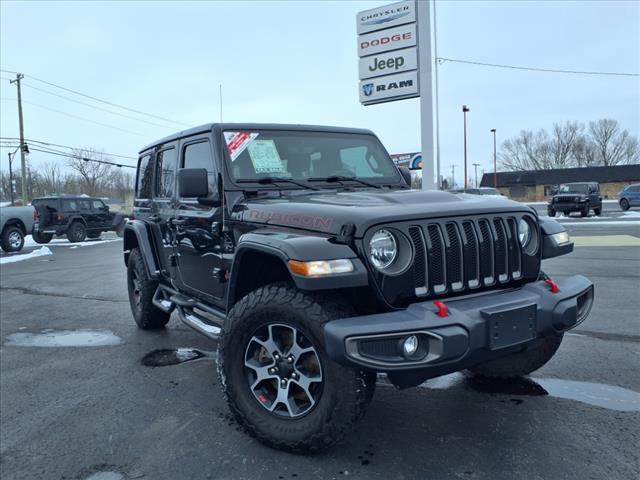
[166,357]
[64,338]
[106,476]
[596,394]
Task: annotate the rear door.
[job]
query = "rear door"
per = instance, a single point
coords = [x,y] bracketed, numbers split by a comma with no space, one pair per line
[87,214]
[163,204]
[144,186]
[198,229]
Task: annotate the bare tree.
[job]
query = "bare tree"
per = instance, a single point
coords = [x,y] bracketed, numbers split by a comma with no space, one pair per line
[95,175]
[51,175]
[562,144]
[613,145]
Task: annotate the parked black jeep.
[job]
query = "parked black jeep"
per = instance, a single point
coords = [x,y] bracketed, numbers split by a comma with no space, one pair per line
[304,251]
[76,217]
[576,197]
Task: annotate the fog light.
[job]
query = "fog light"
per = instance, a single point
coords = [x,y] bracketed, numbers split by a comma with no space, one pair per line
[410,345]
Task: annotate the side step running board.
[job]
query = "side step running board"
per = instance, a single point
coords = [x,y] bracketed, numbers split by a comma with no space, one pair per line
[192,320]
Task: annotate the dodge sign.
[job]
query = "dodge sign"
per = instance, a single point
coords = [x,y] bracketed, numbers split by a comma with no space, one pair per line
[385,40]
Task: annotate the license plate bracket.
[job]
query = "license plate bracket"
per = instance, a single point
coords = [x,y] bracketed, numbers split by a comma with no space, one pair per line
[510,326]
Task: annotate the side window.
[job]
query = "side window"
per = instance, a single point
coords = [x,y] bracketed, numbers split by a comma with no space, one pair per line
[145,177]
[97,204]
[198,155]
[70,205]
[84,205]
[165,172]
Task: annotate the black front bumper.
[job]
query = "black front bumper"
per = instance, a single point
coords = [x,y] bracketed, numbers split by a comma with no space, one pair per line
[566,207]
[476,329]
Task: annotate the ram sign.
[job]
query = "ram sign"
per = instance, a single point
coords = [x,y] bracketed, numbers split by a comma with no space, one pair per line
[387,47]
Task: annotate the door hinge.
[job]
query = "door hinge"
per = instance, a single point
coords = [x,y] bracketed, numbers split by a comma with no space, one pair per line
[173,260]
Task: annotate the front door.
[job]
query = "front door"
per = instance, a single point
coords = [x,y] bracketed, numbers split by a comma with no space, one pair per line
[100,214]
[197,229]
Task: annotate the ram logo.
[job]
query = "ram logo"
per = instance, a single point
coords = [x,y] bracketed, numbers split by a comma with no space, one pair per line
[367,89]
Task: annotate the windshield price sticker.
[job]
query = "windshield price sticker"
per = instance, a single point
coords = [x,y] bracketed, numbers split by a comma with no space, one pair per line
[265,158]
[237,142]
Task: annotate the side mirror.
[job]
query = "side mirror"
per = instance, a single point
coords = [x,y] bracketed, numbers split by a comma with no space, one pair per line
[193,182]
[406,174]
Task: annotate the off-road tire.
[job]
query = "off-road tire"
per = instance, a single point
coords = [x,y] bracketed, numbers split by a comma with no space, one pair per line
[345,392]
[551,212]
[597,211]
[584,211]
[145,313]
[521,363]
[12,239]
[77,232]
[40,237]
[624,204]
[94,235]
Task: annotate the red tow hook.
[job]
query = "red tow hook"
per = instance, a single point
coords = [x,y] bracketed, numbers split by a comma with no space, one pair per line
[442,309]
[552,285]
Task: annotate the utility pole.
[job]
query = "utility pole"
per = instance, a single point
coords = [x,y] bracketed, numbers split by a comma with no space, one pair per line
[23,162]
[495,170]
[465,109]
[10,178]
[475,167]
[453,176]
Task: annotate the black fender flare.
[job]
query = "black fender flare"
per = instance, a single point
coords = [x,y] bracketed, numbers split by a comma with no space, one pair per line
[137,236]
[301,247]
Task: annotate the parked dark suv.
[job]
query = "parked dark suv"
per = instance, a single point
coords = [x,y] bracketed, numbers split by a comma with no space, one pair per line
[576,197]
[303,250]
[76,217]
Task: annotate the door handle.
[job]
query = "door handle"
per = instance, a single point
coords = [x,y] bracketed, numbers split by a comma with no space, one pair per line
[177,221]
[154,218]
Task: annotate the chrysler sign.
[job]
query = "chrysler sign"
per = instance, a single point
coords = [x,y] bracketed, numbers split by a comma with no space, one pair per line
[396,87]
[386,17]
[386,63]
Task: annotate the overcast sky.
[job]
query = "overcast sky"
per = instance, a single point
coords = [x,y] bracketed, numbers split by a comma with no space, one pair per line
[296,62]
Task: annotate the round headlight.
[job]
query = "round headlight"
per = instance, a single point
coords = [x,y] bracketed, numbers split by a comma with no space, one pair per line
[383,249]
[524,232]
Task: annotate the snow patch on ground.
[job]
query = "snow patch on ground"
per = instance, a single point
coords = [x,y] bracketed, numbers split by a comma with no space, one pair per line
[631,214]
[30,242]
[41,252]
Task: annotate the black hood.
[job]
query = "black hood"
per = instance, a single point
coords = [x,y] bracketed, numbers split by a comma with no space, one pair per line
[327,212]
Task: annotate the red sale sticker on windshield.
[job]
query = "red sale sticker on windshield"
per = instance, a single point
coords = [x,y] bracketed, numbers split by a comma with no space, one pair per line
[237,142]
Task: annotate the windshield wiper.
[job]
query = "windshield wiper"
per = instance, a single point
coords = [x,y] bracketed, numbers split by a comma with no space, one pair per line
[273,180]
[340,178]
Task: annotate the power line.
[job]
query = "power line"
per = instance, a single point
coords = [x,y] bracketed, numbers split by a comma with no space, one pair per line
[96,107]
[80,118]
[28,140]
[157,117]
[119,165]
[534,69]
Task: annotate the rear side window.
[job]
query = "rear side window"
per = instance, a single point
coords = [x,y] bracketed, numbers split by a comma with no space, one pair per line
[49,203]
[198,155]
[145,177]
[69,205]
[165,172]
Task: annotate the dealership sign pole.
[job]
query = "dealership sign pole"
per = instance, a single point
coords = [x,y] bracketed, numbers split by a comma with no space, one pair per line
[395,63]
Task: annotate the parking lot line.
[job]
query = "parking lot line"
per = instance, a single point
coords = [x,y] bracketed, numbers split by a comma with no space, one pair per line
[607,241]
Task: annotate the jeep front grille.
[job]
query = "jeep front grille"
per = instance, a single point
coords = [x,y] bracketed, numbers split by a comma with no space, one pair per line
[456,255]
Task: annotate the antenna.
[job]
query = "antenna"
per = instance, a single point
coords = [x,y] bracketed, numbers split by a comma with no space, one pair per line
[220,103]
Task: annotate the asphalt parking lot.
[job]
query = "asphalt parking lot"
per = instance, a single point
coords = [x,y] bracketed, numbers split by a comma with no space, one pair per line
[73,412]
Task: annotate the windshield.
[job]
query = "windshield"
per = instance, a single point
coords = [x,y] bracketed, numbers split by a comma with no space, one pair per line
[575,188]
[301,155]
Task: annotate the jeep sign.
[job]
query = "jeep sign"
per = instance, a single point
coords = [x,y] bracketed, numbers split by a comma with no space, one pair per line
[386,17]
[388,63]
[386,40]
[390,87]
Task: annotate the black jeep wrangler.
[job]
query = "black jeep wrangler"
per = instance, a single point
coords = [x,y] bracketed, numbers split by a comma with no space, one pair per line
[76,217]
[304,251]
[576,197]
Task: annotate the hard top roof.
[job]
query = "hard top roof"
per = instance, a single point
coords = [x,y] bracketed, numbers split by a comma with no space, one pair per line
[254,126]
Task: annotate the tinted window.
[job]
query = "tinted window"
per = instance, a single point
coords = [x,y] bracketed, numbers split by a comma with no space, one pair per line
[69,205]
[97,204]
[50,203]
[84,204]
[145,177]
[165,173]
[198,155]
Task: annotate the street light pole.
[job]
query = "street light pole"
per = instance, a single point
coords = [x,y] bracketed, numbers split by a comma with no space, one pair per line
[465,109]
[475,167]
[453,177]
[495,174]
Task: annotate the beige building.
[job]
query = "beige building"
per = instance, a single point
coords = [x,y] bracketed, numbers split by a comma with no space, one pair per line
[539,185]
